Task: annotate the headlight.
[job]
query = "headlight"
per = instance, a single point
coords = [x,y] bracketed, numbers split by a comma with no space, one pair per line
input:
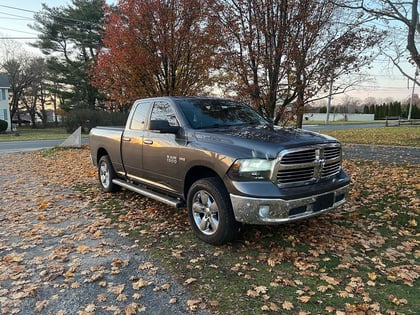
[251,169]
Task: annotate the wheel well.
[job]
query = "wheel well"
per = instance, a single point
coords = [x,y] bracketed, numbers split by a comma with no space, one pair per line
[101,153]
[195,174]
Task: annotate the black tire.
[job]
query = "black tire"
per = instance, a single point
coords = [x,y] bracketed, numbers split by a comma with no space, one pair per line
[210,212]
[106,174]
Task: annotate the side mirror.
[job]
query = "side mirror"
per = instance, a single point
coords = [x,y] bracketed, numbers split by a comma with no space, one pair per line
[162,126]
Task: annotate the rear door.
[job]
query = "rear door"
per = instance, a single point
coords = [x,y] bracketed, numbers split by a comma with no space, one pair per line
[161,163]
[132,140]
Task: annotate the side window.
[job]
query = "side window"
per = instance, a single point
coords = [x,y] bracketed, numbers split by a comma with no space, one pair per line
[163,111]
[139,117]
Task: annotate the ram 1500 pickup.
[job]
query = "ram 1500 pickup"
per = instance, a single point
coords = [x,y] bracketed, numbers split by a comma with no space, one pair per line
[222,160]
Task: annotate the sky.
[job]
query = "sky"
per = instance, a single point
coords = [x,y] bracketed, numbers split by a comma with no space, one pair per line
[385,81]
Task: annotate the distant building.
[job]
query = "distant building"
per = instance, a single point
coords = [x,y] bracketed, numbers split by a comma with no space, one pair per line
[4,100]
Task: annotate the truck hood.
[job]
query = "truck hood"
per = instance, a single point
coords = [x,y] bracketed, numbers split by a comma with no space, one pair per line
[256,141]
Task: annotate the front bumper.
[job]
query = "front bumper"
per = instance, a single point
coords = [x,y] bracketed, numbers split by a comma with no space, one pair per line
[276,211]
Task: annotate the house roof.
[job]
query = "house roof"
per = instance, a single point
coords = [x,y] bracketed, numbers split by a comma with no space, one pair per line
[4,81]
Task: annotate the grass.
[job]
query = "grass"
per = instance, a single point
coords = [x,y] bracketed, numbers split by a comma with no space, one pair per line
[399,136]
[363,258]
[28,133]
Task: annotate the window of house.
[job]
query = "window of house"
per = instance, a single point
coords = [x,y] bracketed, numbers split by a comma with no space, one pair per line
[3,94]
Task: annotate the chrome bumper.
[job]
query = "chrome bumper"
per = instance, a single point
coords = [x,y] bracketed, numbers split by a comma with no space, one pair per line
[277,211]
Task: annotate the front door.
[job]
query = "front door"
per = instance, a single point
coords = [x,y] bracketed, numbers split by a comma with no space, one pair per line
[161,151]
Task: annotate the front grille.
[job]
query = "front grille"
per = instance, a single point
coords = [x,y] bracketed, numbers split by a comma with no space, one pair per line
[291,175]
[307,165]
[298,157]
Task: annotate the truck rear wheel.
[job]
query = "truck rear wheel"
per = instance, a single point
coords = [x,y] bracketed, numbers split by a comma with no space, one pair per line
[106,174]
[210,212]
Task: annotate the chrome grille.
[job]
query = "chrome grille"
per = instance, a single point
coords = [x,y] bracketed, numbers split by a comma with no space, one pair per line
[290,176]
[330,169]
[298,157]
[307,165]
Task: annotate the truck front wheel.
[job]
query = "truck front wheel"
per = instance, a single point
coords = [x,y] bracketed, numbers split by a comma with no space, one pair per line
[106,174]
[210,212]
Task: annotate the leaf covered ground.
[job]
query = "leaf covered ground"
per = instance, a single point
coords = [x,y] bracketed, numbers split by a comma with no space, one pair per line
[59,255]
[362,259]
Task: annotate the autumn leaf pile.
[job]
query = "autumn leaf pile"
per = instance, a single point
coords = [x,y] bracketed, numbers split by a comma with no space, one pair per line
[363,258]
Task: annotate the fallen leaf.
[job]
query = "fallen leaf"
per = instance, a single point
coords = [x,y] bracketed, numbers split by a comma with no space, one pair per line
[189,281]
[193,304]
[140,284]
[40,305]
[304,298]
[287,305]
[82,249]
[372,276]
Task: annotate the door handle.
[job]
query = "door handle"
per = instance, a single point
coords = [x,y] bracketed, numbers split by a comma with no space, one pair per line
[148,141]
[126,139]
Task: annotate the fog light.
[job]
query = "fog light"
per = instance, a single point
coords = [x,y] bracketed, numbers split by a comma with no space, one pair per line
[264,210]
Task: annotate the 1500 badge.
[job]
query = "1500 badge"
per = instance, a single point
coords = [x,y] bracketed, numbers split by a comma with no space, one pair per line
[171,159]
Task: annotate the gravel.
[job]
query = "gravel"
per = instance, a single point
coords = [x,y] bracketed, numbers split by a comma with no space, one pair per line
[58,256]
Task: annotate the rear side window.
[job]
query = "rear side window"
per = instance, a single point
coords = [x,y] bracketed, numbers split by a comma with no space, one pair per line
[139,118]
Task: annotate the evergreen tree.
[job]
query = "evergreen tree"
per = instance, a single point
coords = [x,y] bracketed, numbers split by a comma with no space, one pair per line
[70,38]
[366,109]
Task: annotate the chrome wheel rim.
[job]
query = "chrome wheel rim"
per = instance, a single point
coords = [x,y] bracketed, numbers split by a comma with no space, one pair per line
[205,212]
[104,175]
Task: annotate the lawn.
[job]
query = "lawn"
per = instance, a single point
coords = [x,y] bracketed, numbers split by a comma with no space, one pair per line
[28,133]
[363,258]
[400,136]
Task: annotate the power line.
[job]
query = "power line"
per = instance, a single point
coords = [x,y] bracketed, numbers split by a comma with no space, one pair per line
[15,8]
[54,16]
[13,30]
[17,16]
[8,37]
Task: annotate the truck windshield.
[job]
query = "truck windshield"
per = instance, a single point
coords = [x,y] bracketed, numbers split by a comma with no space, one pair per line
[216,113]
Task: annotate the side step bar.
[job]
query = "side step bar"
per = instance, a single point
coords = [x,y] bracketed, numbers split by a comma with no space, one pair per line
[150,194]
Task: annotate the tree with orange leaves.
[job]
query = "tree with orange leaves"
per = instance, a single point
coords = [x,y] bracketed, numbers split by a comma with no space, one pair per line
[156,48]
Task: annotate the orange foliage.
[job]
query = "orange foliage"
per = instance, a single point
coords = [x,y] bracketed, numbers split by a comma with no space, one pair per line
[156,48]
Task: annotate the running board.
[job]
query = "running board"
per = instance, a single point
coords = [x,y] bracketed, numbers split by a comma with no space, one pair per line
[150,194]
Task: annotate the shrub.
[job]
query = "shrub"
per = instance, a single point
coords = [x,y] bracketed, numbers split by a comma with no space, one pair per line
[87,119]
[3,125]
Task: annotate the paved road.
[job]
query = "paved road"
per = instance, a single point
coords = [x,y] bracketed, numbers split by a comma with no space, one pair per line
[344,126]
[385,154]
[20,146]
[32,145]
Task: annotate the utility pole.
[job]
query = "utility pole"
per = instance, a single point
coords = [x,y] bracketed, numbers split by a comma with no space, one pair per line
[412,94]
[327,117]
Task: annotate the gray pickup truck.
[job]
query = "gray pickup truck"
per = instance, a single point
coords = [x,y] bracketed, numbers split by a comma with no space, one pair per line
[223,161]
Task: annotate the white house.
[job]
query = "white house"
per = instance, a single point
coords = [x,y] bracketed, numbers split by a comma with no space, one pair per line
[4,100]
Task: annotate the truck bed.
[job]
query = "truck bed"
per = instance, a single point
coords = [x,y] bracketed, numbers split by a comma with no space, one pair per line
[108,137]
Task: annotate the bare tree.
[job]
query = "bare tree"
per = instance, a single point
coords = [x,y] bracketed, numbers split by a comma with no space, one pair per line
[27,77]
[20,78]
[285,53]
[35,96]
[396,13]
